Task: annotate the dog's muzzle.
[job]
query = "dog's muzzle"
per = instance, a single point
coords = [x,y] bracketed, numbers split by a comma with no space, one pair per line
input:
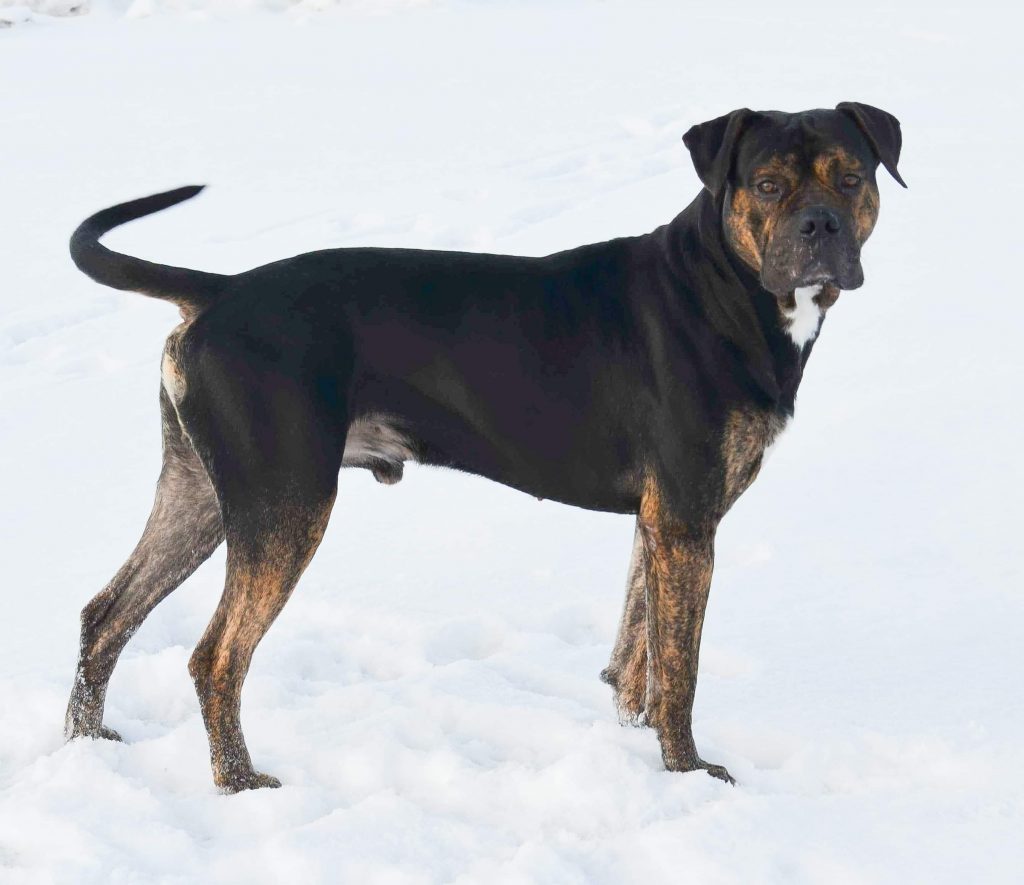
[815,246]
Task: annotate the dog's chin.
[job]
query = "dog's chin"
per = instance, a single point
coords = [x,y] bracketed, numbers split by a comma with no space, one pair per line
[783,286]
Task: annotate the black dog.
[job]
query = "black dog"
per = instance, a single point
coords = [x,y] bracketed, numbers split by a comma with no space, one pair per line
[643,375]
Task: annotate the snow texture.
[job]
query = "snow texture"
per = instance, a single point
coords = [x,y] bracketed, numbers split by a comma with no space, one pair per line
[429,697]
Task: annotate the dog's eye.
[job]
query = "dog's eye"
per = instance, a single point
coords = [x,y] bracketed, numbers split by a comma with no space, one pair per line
[767,186]
[851,180]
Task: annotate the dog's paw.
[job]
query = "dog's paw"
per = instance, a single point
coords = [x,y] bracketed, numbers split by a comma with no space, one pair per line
[690,761]
[247,780]
[718,771]
[108,734]
[100,733]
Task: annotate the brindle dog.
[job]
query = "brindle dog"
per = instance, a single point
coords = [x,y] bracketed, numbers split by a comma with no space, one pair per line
[643,375]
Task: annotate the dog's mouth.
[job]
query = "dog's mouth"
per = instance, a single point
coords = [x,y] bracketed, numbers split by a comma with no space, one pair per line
[815,276]
[845,273]
[829,280]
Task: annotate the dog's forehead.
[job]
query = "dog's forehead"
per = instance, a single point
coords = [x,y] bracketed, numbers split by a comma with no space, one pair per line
[796,140]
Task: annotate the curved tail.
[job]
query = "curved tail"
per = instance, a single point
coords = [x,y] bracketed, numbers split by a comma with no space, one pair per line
[192,290]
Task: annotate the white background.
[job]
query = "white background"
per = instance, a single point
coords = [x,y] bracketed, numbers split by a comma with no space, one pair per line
[430,696]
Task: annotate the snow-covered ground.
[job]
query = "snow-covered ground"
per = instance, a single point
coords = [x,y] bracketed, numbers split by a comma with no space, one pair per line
[430,696]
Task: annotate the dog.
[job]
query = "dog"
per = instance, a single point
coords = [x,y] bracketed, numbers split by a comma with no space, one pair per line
[644,375]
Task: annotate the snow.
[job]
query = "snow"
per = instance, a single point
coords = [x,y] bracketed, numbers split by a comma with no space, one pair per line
[429,697]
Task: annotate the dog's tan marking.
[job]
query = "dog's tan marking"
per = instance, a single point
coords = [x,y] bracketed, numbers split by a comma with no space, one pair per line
[262,573]
[744,227]
[173,380]
[828,296]
[833,162]
[865,211]
[784,166]
[170,365]
[748,221]
[747,435]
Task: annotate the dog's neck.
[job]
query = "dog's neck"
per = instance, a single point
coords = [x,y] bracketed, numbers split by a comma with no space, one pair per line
[736,305]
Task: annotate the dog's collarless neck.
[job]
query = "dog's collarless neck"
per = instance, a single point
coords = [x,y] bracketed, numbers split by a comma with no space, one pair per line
[741,312]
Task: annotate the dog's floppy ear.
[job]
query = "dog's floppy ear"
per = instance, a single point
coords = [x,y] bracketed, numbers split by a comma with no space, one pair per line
[882,130]
[712,146]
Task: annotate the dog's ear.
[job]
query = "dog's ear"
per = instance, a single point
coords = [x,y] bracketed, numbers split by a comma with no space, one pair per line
[712,146]
[882,131]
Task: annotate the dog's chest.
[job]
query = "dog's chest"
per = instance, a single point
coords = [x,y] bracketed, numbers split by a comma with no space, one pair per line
[748,434]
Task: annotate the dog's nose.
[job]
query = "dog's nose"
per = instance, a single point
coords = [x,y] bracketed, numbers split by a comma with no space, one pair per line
[818,221]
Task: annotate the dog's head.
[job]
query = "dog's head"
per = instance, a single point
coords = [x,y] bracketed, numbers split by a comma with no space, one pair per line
[797,191]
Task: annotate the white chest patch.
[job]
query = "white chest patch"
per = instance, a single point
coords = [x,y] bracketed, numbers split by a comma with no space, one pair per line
[805,319]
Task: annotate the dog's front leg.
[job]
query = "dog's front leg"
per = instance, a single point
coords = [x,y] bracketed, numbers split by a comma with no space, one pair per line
[679,559]
[627,670]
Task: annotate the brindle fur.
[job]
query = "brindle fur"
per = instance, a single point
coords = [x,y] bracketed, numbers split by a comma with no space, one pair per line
[747,434]
[183,529]
[626,672]
[645,375]
[679,558]
[669,578]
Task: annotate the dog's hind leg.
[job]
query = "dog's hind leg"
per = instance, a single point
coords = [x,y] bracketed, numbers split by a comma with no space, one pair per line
[267,553]
[183,529]
[627,670]
[274,523]
[273,450]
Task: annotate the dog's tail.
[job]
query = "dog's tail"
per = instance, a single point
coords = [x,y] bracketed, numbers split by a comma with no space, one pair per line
[192,290]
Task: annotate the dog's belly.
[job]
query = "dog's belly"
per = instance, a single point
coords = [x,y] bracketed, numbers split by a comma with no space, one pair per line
[549,454]
[584,479]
